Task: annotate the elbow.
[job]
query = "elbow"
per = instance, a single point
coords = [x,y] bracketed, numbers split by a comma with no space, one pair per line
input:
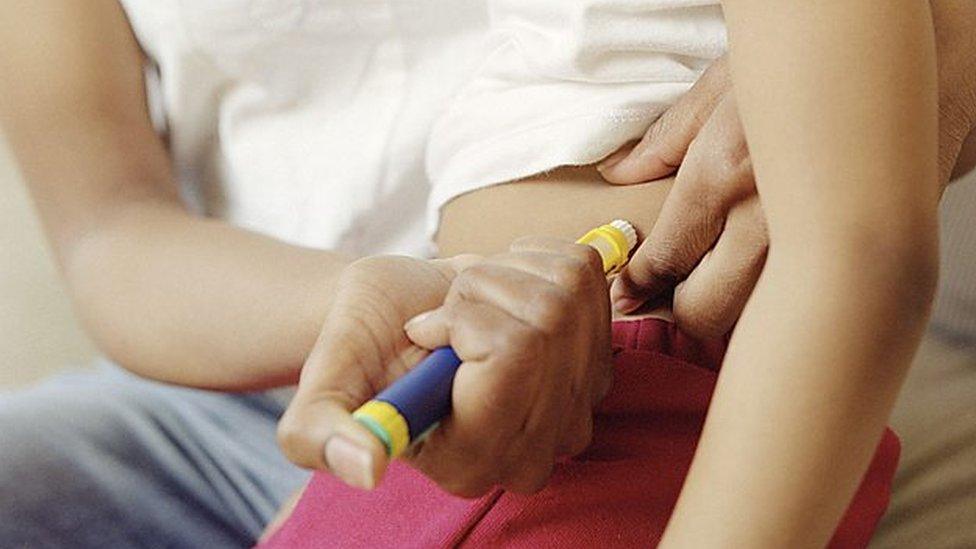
[104,274]
[89,266]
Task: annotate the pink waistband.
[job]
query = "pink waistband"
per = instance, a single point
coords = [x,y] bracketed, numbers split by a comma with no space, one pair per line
[662,337]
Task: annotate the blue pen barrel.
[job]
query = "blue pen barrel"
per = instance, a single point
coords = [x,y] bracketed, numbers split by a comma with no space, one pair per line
[413,404]
[423,395]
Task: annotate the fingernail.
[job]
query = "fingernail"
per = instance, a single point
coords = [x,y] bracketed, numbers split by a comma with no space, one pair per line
[612,160]
[350,462]
[626,304]
[417,320]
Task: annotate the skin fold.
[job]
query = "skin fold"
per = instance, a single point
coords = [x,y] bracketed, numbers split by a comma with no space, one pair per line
[564,203]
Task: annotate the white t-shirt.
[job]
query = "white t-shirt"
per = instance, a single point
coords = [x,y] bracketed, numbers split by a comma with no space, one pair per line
[566,83]
[310,120]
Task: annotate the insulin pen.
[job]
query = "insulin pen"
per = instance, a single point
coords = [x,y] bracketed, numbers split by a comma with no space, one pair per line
[413,405]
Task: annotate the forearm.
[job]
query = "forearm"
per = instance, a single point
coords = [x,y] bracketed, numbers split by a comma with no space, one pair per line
[165,293]
[846,90]
[197,302]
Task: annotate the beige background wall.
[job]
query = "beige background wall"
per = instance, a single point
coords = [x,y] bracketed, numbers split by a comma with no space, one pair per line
[37,331]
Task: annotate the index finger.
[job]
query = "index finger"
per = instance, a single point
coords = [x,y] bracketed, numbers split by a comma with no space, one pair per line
[716,173]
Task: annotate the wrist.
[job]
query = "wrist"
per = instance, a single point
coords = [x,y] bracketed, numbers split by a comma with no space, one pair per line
[315,298]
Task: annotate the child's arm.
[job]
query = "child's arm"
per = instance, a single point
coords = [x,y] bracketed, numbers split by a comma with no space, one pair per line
[838,100]
[168,294]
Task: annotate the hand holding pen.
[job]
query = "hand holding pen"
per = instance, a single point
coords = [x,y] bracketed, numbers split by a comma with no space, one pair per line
[532,327]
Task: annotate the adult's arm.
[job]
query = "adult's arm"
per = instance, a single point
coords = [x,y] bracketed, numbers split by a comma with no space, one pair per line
[165,293]
[848,91]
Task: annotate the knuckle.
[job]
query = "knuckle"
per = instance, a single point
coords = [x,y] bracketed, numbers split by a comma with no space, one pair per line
[516,342]
[658,129]
[723,173]
[572,272]
[747,230]
[593,260]
[732,164]
[662,261]
[468,282]
[656,141]
[288,431]
[549,308]
[291,438]
[698,117]
[683,114]
[591,263]
[477,273]
[752,239]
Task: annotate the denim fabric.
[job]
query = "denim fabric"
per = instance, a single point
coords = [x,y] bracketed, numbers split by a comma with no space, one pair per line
[107,459]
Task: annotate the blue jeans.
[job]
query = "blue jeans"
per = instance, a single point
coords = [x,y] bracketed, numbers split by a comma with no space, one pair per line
[107,459]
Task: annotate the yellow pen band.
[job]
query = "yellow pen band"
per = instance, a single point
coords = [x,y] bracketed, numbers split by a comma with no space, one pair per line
[614,242]
[386,422]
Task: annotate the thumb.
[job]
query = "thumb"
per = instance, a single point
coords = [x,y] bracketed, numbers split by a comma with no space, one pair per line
[318,430]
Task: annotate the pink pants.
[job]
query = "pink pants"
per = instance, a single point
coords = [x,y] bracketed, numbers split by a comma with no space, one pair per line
[619,493]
